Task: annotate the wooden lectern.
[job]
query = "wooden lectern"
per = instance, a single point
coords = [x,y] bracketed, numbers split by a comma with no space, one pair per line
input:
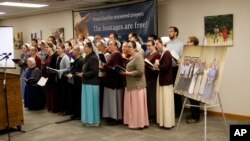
[15,106]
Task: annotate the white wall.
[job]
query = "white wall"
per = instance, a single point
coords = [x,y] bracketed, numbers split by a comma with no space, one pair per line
[188,16]
[45,22]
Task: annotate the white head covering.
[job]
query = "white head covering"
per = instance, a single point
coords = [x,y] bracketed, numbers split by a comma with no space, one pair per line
[91,38]
[81,48]
[104,42]
[165,40]
[138,46]
[27,44]
[42,41]
[119,45]
[140,39]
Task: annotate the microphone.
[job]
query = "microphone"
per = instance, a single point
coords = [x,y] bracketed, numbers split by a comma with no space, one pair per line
[7,54]
[3,54]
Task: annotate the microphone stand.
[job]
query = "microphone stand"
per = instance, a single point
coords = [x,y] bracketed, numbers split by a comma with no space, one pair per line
[5,96]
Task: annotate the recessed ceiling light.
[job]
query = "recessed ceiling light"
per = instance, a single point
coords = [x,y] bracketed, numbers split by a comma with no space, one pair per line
[30,5]
[1,13]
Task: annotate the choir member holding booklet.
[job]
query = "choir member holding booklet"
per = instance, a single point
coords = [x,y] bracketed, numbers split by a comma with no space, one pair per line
[135,99]
[90,109]
[103,58]
[62,67]
[51,91]
[164,88]
[75,84]
[151,78]
[113,86]
[33,96]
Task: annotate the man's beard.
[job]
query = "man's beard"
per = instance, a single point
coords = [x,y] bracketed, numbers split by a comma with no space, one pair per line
[171,37]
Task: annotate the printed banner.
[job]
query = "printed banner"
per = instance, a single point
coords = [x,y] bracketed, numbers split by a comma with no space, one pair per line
[138,18]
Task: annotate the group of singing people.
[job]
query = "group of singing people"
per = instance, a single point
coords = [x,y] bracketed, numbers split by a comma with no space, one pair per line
[81,85]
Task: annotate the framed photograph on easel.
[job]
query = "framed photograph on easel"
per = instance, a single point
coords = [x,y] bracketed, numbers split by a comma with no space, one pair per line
[200,73]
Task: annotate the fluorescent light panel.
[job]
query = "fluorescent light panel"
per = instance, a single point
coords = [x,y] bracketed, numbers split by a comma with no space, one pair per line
[30,5]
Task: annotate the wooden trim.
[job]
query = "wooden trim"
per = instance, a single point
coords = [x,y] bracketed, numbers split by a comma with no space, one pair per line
[227,115]
[231,116]
[9,74]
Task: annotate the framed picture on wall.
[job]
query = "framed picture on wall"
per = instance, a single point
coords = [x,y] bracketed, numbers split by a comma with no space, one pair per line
[36,35]
[33,35]
[18,40]
[219,30]
[39,36]
[58,33]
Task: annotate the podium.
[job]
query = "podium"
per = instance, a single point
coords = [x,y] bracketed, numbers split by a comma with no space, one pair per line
[14,99]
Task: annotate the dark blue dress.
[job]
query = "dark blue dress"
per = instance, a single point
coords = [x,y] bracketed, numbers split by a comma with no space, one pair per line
[33,96]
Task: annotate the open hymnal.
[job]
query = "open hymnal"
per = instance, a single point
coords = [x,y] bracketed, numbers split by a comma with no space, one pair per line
[102,58]
[42,81]
[29,80]
[16,60]
[174,55]
[72,60]
[148,62]
[59,72]
[119,69]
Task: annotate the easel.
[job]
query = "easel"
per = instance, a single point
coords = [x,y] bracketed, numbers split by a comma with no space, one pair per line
[205,106]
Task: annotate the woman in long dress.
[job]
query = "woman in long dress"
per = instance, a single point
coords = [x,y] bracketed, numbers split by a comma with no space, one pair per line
[23,65]
[33,96]
[164,88]
[151,79]
[113,86]
[63,65]
[135,99]
[51,91]
[90,111]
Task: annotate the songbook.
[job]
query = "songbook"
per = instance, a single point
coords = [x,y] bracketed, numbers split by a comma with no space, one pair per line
[59,72]
[174,55]
[17,60]
[29,81]
[119,69]
[72,60]
[148,62]
[102,58]
[42,81]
